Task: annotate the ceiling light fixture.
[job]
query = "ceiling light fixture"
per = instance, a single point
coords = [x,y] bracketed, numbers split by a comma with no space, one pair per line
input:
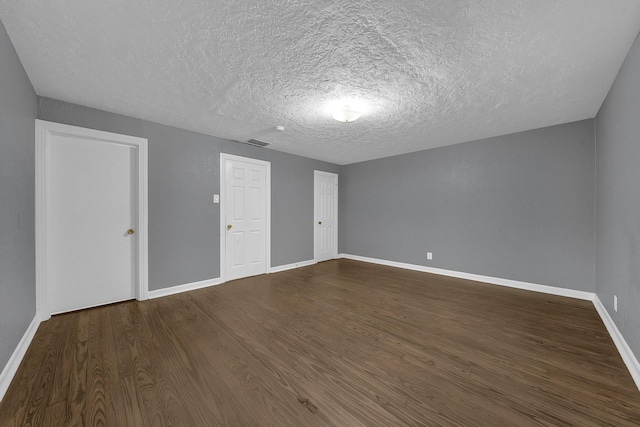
[346,114]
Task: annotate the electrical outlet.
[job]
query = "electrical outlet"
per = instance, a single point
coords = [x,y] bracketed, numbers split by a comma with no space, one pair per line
[216,198]
[615,302]
[429,255]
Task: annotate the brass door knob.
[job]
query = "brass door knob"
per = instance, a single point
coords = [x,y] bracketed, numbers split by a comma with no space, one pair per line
[130,231]
[229,226]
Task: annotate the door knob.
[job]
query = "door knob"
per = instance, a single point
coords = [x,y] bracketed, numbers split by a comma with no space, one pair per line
[130,231]
[320,222]
[229,226]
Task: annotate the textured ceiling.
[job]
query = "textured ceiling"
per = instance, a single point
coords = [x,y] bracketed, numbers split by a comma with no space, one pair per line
[426,73]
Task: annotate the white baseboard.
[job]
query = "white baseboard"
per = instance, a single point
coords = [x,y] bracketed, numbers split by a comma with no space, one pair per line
[172,290]
[623,348]
[572,293]
[292,266]
[184,288]
[12,365]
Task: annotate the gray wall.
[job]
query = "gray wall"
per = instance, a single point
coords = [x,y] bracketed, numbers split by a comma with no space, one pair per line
[618,200]
[184,173]
[17,194]
[518,207]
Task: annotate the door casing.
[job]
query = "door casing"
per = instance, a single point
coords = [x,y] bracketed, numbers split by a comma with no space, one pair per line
[44,132]
[223,201]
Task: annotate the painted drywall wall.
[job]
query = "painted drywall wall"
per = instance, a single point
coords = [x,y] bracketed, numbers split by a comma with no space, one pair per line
[184,174]
[517,207]
[618,200]
[17,195]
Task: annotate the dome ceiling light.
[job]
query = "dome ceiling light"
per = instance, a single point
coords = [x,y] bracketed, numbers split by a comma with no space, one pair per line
[347,109]
[346,114]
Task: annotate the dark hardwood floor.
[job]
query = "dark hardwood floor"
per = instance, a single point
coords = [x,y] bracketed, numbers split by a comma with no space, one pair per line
[341,343]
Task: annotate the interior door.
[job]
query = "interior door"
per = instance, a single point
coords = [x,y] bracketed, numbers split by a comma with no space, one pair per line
[245,217]
[91,222]
[326,215]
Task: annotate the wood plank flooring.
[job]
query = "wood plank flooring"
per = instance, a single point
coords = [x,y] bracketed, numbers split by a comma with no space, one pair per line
[341,343]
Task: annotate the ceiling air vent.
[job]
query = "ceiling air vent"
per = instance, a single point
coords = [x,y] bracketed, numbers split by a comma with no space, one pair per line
[255,143]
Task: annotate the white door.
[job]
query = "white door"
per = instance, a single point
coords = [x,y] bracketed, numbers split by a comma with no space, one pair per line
[326,215]
[245,205]
[92,220]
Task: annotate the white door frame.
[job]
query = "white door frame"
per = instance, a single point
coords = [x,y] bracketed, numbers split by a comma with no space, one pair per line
[44,131]
[223,199]
[316,175]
